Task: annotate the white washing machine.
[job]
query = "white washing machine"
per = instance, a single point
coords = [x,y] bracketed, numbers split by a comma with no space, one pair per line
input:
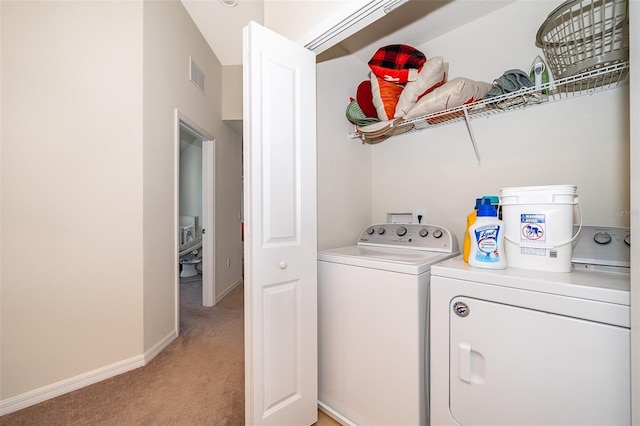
[523,347]
[372,324]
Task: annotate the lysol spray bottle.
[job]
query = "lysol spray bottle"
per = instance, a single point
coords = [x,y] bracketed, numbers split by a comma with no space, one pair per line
[487,239]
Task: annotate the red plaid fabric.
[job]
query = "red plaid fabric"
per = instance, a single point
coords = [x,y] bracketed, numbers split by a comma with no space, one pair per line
[397,63]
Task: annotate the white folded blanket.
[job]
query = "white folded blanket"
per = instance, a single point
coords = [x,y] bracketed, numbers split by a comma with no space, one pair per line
[190,246]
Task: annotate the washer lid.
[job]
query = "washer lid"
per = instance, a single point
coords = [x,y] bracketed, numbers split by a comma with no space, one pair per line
[387,259]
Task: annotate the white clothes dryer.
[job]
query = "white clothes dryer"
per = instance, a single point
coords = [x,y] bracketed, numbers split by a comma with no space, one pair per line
[372,324]
[523,347]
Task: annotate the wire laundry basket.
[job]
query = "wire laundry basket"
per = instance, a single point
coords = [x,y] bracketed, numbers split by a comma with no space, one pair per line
[584,35]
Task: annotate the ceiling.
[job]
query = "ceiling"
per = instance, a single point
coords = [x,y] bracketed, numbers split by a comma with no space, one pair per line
[419,21]
[222,25]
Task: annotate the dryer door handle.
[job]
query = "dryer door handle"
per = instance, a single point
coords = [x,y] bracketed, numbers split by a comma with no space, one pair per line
[464,362]
[471,364]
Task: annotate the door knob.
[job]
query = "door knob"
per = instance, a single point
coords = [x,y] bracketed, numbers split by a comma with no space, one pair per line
[283,265]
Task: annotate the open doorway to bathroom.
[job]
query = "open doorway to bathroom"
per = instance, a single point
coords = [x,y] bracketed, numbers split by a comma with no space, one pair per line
[190,216]
[194,210]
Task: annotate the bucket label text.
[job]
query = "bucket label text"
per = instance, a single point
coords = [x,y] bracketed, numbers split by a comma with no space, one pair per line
[532,230]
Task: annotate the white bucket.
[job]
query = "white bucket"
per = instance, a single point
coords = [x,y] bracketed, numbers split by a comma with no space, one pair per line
[538,222]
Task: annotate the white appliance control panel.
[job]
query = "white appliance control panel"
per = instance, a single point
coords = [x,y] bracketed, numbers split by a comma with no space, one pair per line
[602,246]
[410,236]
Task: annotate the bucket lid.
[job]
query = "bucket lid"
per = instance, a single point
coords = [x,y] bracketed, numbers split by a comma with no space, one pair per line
[556,189]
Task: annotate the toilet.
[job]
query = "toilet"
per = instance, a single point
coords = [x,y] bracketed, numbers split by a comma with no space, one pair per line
[189,247]
[189,264]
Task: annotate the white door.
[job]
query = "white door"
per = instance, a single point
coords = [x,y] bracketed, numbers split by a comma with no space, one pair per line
[280,230]
[208,224]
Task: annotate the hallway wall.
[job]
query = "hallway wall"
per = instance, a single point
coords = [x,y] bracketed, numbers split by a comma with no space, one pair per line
[88,155]
[71,275]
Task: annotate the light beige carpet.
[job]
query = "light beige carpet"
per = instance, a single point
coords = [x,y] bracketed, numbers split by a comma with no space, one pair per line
[197,380]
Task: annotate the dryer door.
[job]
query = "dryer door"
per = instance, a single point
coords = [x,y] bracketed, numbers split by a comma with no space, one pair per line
[510,365]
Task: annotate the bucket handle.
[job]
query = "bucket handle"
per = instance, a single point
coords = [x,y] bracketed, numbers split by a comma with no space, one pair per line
[549,247]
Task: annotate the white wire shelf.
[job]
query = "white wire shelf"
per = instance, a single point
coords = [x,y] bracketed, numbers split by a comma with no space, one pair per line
[587,83]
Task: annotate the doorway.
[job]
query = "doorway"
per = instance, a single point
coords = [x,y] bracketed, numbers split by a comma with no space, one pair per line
[194,208]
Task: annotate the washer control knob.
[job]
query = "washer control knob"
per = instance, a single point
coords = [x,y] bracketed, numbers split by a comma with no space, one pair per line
[370,231]
[602,238]
[423,232]
[380,231]
[401,231]
[437,233]
[627,239]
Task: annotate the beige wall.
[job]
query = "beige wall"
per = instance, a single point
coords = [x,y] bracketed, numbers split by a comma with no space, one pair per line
[89,92]
[344,166]
[170,37]
[228,212]
[232,92]
[71,189]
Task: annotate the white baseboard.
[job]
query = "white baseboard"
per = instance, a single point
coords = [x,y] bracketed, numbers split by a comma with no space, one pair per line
[53,390]
[158,347]
[227,291]
[334,414]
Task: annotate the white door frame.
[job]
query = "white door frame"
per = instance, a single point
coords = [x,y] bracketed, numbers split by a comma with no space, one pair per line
[208,206]
[208,222]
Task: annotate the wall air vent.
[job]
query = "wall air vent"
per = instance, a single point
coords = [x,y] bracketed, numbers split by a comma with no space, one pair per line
[195,74]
